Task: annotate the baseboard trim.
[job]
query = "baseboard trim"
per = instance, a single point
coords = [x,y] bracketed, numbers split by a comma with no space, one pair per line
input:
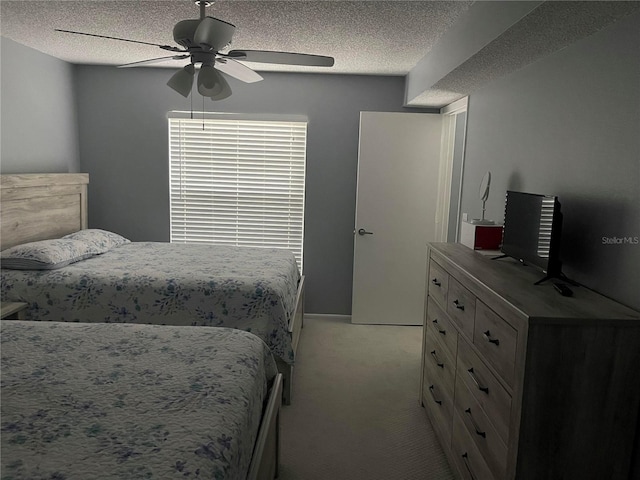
[332,316]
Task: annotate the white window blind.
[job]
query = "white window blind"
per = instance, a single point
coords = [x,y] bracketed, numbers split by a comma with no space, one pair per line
[238,182]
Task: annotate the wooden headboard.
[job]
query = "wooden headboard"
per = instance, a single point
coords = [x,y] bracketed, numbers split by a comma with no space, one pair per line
[41,206]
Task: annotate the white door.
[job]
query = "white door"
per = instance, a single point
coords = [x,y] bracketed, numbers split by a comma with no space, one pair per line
[398,162]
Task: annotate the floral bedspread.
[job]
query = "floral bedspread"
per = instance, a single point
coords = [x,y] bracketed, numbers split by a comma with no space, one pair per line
[102,401]
[251,289]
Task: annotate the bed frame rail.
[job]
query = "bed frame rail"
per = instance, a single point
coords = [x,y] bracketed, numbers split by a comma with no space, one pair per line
[295,329]
[296,323]
[266,453]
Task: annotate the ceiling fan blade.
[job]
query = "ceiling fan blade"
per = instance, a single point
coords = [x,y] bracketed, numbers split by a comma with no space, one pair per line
[213,34]
[153,60]
[284,58]
[164,47]
[237,70]
[182,80]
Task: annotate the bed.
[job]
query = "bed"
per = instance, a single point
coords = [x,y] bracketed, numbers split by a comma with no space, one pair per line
[99,401]
[256,290]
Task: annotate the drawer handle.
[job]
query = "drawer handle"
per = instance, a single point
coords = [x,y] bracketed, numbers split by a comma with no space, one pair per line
[435,357]
[475,425]
[431,390]
[436,282]
[477,382]
[465,457]
[435,322]
[487,336]
[458,305]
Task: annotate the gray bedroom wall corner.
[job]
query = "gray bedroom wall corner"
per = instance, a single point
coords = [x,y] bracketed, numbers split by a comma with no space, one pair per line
[38,124]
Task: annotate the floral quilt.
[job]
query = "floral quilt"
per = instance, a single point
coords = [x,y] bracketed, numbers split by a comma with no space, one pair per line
[102,401]
[252,289]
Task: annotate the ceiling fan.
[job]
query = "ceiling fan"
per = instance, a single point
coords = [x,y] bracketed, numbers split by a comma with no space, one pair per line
[202,42]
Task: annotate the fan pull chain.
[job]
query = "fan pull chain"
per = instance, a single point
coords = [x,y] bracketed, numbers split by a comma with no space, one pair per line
[203,113]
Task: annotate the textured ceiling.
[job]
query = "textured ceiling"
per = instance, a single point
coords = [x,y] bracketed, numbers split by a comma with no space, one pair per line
[364,37]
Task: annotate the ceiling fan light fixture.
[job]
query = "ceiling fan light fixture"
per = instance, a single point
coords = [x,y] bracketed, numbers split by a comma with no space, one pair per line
[209,81]
[182,80]
[225,89]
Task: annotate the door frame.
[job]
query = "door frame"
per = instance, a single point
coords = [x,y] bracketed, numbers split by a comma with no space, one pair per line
[445,174]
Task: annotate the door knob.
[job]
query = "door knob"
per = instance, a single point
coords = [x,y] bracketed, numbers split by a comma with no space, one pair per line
[362,231]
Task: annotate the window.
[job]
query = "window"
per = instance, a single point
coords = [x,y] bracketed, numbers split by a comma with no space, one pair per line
[236,181]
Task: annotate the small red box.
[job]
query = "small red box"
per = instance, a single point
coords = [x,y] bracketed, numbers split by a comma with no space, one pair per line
[481,237]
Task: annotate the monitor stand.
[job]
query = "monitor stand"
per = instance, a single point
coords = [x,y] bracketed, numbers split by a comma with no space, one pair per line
[559,276]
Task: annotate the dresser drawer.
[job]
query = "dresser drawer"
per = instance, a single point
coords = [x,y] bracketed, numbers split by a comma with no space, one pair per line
[439,363]
[439,323]
[438,282]
[461,306]
[485,388]
[468,458]
[480,429]
[439,405]
[496,340]
[437,386]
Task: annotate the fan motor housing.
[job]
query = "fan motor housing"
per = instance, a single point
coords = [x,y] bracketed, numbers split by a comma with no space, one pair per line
[205,58]
[184,31]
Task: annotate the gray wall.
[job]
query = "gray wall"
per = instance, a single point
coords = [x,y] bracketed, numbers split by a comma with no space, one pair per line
[124,148]
[569,125]
[38,119]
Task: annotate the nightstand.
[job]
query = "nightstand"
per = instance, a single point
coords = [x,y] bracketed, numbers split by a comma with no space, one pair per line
[13,311]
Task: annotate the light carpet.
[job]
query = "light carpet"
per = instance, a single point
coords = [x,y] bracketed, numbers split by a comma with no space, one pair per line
[355,411]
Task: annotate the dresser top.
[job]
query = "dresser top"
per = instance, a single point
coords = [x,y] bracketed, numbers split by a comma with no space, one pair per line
[508,280]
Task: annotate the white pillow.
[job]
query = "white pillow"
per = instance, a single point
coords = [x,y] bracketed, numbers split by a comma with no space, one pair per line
[45,254]
[100,241]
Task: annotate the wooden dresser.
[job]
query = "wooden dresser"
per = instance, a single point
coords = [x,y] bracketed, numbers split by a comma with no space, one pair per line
[522,383]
